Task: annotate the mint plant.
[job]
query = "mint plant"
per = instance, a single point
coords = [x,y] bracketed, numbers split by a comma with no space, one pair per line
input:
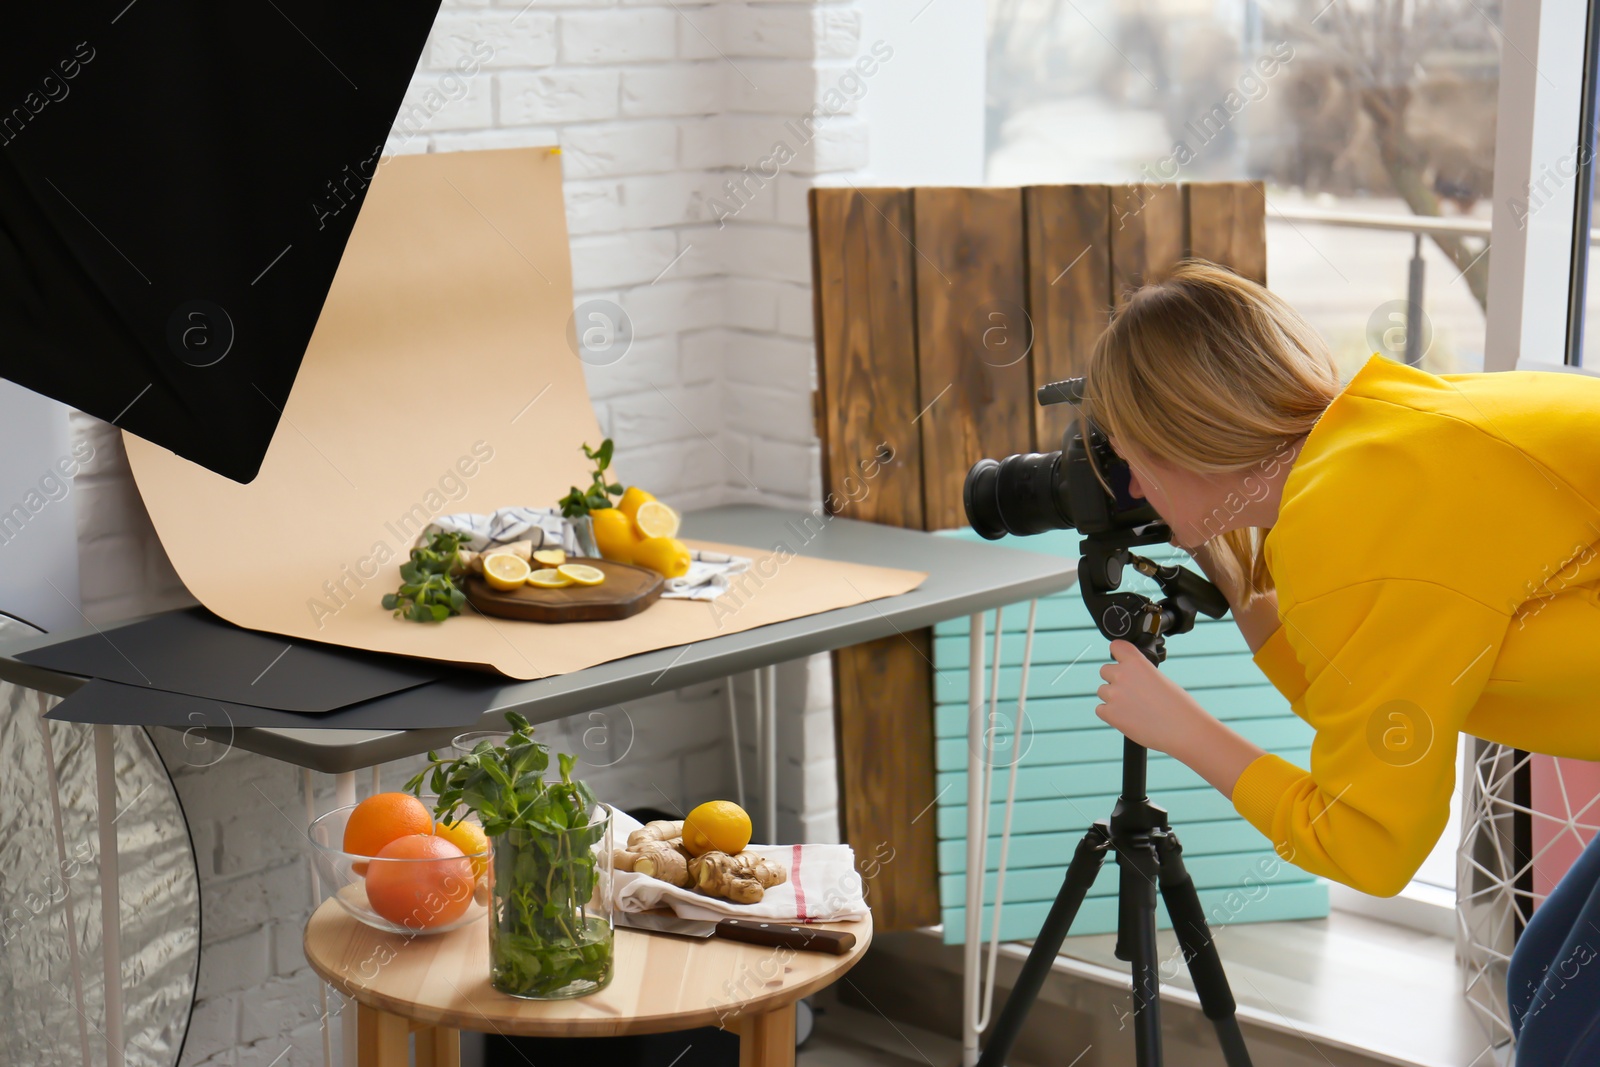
[542,940]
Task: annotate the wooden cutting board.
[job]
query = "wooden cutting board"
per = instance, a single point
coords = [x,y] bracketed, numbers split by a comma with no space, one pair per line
[626,591]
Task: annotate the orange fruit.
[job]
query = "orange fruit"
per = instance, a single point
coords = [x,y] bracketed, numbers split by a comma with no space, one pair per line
[717,826]
[381,818]
[420,881]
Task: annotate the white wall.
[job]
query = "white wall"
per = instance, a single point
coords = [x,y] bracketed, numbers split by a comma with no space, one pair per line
[689,134]
[684,211]
[926,110]
[38,546]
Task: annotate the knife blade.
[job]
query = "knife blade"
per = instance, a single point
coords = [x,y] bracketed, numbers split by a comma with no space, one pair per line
[753,931]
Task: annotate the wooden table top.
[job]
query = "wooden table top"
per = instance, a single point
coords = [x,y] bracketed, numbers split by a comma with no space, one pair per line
[659,982]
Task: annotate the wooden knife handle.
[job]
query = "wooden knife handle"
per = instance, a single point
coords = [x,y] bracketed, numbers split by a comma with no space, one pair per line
[788,935]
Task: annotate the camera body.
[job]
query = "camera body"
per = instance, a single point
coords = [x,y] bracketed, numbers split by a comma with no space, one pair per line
[1032,492]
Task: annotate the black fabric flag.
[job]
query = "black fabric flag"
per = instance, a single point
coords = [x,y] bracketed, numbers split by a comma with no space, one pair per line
[178,179]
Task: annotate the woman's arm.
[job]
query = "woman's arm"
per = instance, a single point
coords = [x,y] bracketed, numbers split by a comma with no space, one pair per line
[1218,754]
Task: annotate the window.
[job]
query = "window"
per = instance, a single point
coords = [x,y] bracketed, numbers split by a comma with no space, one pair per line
[1371,124]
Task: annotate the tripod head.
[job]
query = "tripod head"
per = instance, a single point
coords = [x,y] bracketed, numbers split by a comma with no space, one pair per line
[1130,616]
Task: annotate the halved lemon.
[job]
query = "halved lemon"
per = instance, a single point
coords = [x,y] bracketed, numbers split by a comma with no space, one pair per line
[550,557]
[655,519]
[548,578]
[505,571]
[582,573]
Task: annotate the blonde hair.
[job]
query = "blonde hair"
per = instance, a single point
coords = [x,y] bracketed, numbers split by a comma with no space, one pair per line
[1212,373]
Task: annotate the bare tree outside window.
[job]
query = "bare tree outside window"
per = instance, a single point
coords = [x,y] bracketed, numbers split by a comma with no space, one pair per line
[1355,107]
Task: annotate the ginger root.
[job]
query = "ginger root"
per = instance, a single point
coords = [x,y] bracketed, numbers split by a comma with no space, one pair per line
[660,859]
[665,860]
[659,830]
[743,879]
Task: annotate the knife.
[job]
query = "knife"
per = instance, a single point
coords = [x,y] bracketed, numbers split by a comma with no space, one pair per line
[755,931]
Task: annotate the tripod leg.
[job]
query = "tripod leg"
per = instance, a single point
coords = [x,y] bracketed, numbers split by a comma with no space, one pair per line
[1200,951]
[1081,872]
[1136,943]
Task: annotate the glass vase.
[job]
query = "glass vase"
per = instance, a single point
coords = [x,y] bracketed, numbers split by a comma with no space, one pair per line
[584,545]
[550,910]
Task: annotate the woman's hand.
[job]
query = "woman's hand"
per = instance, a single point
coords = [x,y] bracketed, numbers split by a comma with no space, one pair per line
[1148,707]
[1154,711]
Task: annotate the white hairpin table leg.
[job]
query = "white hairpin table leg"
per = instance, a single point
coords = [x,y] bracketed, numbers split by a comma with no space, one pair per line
[344,792]
[738,752]
[309,788]
[105,778]
[977,826]
[770,761]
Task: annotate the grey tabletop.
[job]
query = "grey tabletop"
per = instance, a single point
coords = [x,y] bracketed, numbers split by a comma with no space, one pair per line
[964,577]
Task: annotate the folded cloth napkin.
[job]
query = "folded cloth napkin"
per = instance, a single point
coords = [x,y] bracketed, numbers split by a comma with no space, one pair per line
[545,527]
[823,885]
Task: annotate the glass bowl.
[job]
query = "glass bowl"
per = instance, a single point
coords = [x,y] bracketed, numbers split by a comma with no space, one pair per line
[465,743]
[400,896]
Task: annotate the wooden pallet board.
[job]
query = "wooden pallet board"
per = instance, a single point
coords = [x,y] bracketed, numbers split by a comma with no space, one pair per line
[938,313]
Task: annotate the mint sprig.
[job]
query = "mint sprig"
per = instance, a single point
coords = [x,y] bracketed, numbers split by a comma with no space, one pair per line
[580,502]
[427,592]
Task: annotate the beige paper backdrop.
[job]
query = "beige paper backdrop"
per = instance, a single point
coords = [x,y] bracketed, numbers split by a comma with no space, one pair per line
[439,379]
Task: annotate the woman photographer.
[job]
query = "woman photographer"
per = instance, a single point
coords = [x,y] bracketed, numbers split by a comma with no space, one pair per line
[1409,556]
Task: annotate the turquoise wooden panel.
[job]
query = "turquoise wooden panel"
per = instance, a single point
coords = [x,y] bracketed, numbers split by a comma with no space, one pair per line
[1055,848]
[1037,816]
[1052,645]
[1083,678]
[1058,613]
[1104,743]
[1070,768]
[1208,872]
[1075,713]
[1086,779]
[1222,907]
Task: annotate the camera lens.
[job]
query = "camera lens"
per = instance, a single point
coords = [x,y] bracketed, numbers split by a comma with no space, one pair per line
[1019,495]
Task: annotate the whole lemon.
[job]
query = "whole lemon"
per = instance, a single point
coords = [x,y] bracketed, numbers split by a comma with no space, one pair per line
[717,826]
[614,534]
[667,556]
[470,839]
[629,504]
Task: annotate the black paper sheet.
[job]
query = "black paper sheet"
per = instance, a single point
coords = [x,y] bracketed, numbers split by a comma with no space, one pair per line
[178,179]
[193,653]
[457,701]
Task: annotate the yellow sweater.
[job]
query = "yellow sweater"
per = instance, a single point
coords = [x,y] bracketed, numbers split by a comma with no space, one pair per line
[1437,560]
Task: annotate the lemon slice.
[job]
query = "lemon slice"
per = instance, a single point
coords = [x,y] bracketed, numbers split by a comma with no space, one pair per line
[550,557]
[582,573]
[504,570]
[655,519]
[548,578]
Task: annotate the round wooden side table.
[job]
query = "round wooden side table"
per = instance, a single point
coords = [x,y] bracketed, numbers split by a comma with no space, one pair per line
[437,986]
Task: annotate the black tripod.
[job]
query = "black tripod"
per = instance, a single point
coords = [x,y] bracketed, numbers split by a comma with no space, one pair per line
[1148,854]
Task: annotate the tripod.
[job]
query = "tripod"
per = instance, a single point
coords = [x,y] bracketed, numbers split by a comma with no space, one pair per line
[1148,854]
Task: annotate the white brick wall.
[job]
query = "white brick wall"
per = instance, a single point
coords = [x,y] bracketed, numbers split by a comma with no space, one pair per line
[669,117]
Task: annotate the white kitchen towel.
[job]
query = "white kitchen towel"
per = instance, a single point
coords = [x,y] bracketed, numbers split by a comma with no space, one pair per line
[823,886]
[710,575]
